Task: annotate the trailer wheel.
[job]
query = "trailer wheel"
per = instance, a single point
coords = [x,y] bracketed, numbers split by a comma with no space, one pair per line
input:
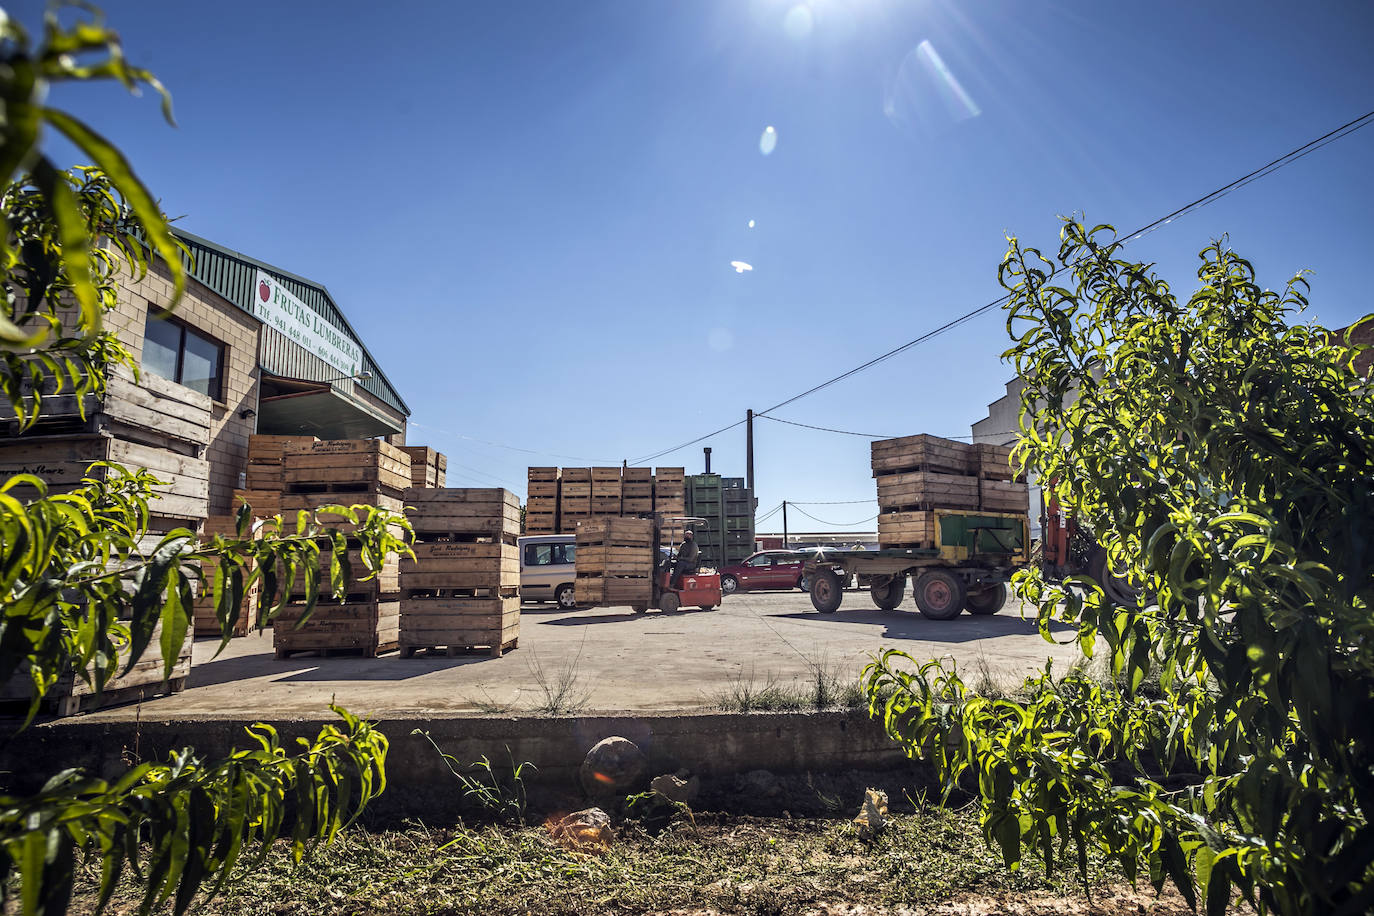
[669,603]
[939,595]
[825,591]
[987,600]
[888,594]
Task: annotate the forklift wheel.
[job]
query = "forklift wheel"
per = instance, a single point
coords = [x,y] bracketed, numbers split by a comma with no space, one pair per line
[669,603]
[708,607]
[641,608]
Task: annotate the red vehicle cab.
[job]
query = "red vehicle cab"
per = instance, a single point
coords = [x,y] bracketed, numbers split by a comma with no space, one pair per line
[765,569]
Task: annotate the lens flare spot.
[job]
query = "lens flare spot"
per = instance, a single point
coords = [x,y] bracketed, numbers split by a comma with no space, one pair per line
[751,224]
[769,141]
[741,266]
[925,93]
[798,22]
[720,339]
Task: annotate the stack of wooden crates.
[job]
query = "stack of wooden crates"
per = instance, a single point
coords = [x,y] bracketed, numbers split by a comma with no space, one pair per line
[560,498]
[428,468]
[615,561]
[918,475]
[345,472]
[462,591]
[151,423]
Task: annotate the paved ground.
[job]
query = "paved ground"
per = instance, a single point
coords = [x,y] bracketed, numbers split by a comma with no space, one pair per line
[617,659]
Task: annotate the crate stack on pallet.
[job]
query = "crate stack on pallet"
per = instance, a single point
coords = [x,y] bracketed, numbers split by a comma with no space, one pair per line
[428,468]
[615,560]
[637,492]
[203,616]
[462,590]
[606,497]
[727,505]
[153,424]
[918,475]
[574,498]
[345,472]
[541,509]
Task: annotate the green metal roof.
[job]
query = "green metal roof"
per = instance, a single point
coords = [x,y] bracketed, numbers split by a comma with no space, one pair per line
[233,274]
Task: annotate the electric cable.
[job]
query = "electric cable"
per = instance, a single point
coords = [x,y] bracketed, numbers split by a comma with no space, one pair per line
[834,524]
[1267,169]
[837,502]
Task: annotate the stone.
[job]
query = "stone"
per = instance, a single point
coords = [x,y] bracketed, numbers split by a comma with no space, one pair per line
[588,830]
[761,783]
[614,766]
[872,817]
[674,787]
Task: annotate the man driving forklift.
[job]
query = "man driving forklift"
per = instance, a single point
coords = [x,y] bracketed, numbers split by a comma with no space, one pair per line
[686,562]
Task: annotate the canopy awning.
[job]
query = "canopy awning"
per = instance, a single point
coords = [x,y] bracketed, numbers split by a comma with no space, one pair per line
[300,407]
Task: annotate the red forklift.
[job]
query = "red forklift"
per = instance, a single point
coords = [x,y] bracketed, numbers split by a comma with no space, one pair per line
[699,589]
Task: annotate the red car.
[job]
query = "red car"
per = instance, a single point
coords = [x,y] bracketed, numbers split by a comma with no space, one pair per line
[765,569]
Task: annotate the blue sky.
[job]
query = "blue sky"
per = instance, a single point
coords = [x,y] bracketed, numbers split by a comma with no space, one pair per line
[529,210]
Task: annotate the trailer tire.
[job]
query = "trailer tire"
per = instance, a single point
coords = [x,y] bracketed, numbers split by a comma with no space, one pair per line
[939,595]
[889,594]
[825,591]
[987,600]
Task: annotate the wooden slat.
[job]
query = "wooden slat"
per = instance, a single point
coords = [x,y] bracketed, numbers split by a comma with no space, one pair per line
[927,489]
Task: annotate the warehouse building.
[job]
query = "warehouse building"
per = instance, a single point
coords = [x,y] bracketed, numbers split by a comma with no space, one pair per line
[250,348]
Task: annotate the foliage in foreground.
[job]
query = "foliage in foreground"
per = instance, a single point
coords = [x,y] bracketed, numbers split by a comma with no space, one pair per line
[1225,458]
[85,586]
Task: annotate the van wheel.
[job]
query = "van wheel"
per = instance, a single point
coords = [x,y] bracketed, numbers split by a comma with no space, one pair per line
[566,598]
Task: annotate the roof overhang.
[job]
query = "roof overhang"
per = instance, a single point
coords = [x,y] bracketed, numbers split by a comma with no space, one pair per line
[298,407]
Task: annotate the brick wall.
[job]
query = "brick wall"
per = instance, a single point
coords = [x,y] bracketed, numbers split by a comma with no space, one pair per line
[210,314]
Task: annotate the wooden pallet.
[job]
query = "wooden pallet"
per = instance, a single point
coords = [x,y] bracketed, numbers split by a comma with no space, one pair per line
[921,453]
[459,624]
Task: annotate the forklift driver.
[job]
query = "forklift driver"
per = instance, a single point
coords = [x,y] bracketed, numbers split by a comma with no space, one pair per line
[687,554]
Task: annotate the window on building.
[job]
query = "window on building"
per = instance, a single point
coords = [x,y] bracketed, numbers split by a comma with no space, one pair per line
[182,354]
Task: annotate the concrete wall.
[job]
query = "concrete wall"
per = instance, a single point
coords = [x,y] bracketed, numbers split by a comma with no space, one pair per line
[420,785]
[212,315]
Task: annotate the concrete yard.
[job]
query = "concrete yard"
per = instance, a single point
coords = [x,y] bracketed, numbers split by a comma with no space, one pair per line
[618,660]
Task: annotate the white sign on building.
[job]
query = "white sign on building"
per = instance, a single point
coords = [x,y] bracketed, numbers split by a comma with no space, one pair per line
[278,308]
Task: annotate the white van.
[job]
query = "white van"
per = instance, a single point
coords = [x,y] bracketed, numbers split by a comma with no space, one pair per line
[548,568]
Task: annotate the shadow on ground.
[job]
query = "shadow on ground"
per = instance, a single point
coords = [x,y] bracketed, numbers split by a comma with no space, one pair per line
[912,625]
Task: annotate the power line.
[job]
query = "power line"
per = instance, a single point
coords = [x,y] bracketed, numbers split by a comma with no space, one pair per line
[1268,168]
[834,524]
[769,514]
[838,502]
[825,429]
[513,448]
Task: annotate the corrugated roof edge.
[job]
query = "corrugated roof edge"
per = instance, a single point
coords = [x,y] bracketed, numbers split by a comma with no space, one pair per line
[258,262]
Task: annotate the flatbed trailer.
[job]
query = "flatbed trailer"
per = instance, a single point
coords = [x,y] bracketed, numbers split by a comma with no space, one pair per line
[972,558]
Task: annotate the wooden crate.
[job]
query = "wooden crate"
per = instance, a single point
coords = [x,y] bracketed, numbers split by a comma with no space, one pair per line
[71,694]
[927,490]
[606,505]
[367,627]
[609,560]
[606,591]
[993,462]
[629,506]
[428,468]
[605,475]
[575,490]
[543,489]
[474,511]
[606,488]
[461,565]
[543,474]
[622,532]
[460,624]
[264,503]
[203,615]
[152,410]
[638,475]
[906,529]
[576,475]
[568,521]
[346,465]
[62,461]
[292,503]
[1003,496]
[384,585]
[580,506]
[921,453]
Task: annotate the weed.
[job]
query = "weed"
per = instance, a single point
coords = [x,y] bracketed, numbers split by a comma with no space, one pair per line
[488,704]
[499,798]
[562,689]
[746,694]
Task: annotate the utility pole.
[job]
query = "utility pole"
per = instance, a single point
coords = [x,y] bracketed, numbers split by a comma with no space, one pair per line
[749,450]
[785,545]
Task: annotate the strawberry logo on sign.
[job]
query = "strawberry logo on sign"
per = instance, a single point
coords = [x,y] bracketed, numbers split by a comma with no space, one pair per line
[264,290]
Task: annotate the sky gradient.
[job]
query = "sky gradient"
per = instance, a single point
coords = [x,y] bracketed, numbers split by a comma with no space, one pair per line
[529,211]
